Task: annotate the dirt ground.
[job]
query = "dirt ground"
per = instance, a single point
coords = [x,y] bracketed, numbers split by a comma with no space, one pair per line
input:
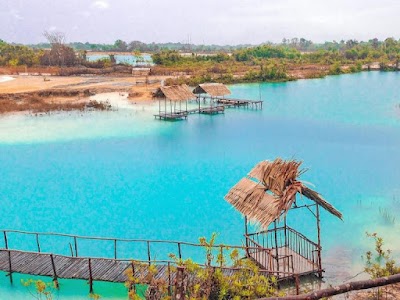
[23,84]
[48,93]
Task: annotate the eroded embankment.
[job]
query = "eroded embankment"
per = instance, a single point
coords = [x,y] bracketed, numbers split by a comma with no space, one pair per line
[50,100]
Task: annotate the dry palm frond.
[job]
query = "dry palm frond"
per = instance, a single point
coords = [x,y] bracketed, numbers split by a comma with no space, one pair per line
[212,89]
[275,192]
[174,93]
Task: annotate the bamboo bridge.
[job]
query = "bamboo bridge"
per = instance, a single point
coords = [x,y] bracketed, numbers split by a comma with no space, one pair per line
[293,256]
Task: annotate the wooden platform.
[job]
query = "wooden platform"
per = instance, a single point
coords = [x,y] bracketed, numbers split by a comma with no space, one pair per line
[212,110]
[289,262]
[172,116]
[257,104]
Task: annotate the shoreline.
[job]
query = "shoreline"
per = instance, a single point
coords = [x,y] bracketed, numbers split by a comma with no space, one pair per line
[39,94]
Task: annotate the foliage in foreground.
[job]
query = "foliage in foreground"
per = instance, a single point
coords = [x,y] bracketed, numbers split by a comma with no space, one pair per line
[204,282]
[41,290]
[379,263]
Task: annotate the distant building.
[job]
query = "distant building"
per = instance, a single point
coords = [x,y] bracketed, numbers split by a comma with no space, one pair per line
[138,71]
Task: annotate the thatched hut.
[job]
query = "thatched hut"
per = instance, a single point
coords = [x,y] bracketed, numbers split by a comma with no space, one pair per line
[176,95]
[211,92]
[264,197]
[212,89]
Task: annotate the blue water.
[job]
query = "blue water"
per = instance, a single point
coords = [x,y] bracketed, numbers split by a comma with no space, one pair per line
[124,174]
[145,59]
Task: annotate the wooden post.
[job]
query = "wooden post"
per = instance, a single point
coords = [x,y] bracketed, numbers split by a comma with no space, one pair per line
[286,239]
[297,281]
[90,277]
[221,252]
[76,246]
[5,240]
[10,267]
[148,252]
[179,251]
[37,242]
[276,248]
[319,243]
[115,249]
[246,233]
[169,280]
[180,285]
[133,286]
[55,278]
[70,249]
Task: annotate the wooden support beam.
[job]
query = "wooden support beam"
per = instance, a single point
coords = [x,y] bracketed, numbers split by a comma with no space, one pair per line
[10,267]
[55,278]
[115,248]
[76,246]
[148,252]
[319,243]
[37,242]
[90,277]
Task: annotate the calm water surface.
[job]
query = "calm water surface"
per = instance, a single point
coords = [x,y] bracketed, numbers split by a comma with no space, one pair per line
[124,174]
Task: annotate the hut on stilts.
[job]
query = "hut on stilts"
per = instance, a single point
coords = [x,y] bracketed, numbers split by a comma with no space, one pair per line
[216,94]
[178,97]
[264,197]
[211,92]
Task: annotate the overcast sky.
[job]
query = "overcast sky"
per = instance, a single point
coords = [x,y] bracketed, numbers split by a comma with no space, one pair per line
[205,21]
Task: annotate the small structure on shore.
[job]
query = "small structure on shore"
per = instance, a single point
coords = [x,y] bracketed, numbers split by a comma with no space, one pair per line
[140,71]
[264,197]
[178,97]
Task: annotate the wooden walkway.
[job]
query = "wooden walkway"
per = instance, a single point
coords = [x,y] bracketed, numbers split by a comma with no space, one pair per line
[257,104]
[172,116]
[211,110]
[58,266]
[297,257]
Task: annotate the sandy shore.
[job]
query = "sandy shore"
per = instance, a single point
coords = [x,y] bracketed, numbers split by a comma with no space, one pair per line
[45,94]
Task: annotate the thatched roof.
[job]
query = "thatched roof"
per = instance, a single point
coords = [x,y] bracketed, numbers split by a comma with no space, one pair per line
[269,191]
[174,93]
[213,89]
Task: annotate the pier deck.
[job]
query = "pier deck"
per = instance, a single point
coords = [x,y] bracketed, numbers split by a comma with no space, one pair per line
[257,104]
[298,257]
[172,116]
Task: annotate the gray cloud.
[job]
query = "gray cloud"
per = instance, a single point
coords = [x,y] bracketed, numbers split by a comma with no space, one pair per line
[208,21]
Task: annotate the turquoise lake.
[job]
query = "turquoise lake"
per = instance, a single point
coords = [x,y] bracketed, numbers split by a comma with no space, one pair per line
[123,174]
[145,59]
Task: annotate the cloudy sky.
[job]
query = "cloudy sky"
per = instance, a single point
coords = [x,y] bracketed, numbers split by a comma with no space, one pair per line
[205,21]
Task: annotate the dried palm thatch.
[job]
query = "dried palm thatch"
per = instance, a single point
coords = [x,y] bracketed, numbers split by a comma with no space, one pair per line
[272,192]
[174,93]
[212,89]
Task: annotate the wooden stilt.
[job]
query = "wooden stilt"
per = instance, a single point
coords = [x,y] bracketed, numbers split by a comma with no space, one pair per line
[319,243]
[180,285]
[276,248]
[246,233]
[90,277]
[10,267]
[55,278]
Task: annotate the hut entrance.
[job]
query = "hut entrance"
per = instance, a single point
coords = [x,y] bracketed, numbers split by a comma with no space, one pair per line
[264,197]
[173,102]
